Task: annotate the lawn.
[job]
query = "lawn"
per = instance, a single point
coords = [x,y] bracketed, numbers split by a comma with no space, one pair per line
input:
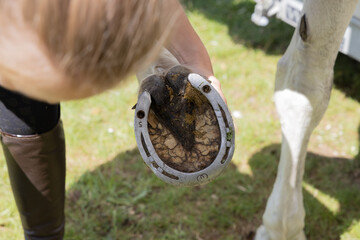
[111,194]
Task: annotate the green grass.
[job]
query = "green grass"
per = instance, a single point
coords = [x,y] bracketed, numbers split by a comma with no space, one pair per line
[111,194]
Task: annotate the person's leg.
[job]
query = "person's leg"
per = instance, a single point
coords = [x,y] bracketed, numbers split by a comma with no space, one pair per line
[34,147]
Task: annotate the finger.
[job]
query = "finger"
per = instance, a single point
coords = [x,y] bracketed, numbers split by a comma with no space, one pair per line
[217,85]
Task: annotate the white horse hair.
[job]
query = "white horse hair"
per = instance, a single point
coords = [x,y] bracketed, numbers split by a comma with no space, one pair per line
[302,90]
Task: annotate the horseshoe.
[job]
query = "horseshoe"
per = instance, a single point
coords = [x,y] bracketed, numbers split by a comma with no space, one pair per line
[158,166]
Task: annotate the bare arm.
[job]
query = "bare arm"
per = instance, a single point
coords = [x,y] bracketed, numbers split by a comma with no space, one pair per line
[189,50]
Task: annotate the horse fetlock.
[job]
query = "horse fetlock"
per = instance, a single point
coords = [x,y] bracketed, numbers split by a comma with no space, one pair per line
[280,230]
[284,215]
[262,234]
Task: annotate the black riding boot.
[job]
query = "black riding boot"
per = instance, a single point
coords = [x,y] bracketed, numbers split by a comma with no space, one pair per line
[36,165]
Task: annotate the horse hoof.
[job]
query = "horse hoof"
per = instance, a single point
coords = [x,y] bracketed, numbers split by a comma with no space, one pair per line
[183,128]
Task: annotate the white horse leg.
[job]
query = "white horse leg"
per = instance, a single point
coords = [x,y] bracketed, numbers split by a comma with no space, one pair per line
[302,91]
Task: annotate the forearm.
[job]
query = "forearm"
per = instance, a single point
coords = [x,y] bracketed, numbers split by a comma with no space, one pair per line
[187,47]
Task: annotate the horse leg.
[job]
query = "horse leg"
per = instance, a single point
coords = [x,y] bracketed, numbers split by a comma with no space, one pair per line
[302,92]
[164,62]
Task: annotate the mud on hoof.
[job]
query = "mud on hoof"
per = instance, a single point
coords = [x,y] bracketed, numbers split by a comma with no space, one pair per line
[182,124]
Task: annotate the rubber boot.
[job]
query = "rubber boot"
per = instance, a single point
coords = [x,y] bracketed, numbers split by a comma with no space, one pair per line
[36,166]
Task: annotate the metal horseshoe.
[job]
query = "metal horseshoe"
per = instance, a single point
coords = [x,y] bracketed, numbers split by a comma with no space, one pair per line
[169,174]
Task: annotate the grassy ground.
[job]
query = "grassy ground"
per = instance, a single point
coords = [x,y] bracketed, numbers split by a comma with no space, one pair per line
[111,194]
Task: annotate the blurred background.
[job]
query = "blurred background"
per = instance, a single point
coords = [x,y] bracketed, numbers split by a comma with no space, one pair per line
[111,194]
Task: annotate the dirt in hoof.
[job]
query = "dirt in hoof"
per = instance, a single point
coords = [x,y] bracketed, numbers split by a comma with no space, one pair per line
[182,124]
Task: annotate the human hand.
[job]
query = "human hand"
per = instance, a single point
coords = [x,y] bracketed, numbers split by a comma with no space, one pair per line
[217,85]
[208,74]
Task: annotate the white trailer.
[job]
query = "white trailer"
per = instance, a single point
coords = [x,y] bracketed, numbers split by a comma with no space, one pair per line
[289,11]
